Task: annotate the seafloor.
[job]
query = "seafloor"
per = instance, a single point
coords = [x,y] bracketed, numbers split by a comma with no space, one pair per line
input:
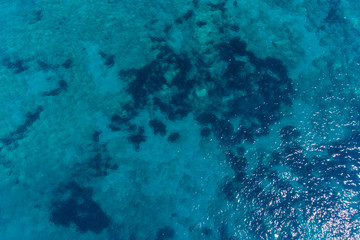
[202,119]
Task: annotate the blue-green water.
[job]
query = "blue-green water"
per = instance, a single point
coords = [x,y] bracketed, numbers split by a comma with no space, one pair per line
[202,119]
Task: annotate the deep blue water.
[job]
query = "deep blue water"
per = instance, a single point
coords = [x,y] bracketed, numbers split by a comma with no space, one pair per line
[202,119]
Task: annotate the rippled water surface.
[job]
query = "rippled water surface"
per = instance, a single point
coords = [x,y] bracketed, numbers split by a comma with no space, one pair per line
[195,119]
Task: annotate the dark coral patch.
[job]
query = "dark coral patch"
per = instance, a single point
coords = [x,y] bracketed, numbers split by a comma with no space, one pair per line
[174,137]
[206,231]
[117,122]
[230,191]
[62,86]
[224,131]
[334,15]
[99,165]
[158,127]
[172,112]
[205,132]
[75,205]
[67,64]
[32,117]
[149,81]
[185,18]
[35,16]
[237,163]
[289,132]
[206,118]
[164,107]
[20,132]
[188,15]
[137,138]
[16,65]
[44,65]
[234,47]
[217,6]
[165,233]
[96,136]
[109,60]
[201,23]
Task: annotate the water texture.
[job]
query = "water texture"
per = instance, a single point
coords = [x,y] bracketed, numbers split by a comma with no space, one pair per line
[191,119]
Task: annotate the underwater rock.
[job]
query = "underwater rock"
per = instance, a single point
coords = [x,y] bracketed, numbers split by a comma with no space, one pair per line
[109,60]
[44,65]
[165,233]
[117,122]
[67,64]
[96,136]
[74,205]
[206,118]
[174,137]
[229,191]
[185,17]
[62,86]
[158,127]
[289,132]
[205,132]
[20,132]
[238,164]
[224,131]
[138,138]
[206,231]
[17,65]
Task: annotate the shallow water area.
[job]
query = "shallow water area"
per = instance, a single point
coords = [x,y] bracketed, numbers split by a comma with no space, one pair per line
[202,119]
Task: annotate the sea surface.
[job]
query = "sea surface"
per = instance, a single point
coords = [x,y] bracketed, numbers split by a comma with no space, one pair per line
[179,119]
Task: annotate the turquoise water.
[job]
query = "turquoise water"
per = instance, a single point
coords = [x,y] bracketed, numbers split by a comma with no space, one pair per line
[202,119]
